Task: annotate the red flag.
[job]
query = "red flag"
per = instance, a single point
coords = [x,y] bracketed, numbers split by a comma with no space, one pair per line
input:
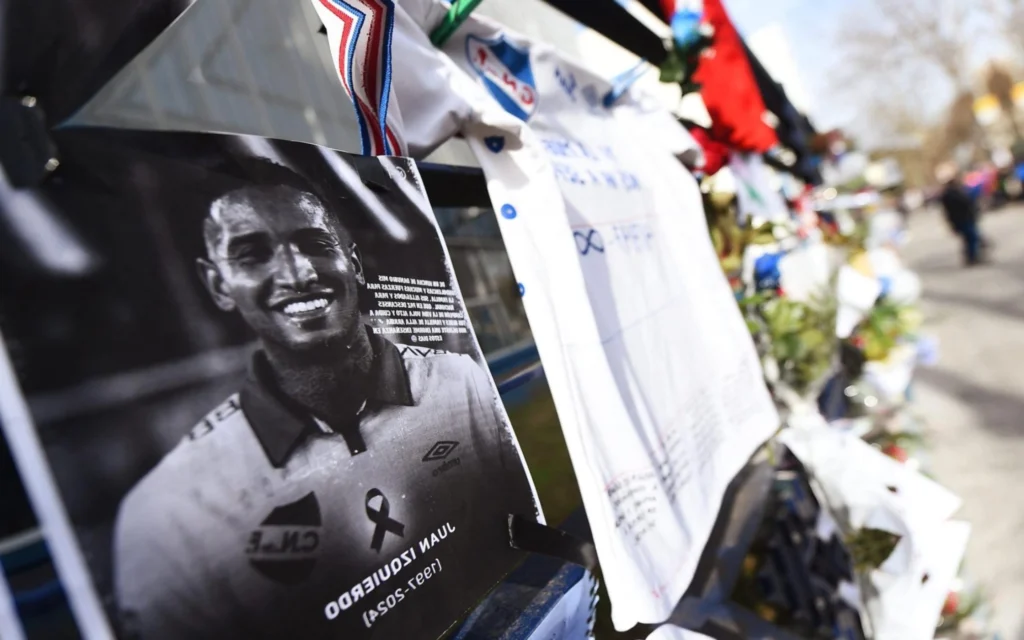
[729,89]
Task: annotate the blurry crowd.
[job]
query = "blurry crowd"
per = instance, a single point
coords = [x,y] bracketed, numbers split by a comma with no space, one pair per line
[964,194]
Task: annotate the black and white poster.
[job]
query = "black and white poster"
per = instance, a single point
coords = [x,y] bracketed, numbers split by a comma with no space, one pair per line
[242,379]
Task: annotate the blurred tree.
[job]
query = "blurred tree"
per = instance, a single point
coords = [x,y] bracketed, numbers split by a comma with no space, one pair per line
[910,34]
[999,83]
[1014,26]
[901,117]
[961,125]
[1008,18]
[897,57]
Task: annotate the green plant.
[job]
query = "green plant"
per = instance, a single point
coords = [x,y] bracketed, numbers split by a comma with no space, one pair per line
[869,548]
[903,439]
[730,238]
[881,331]
[799,336]
[681,63]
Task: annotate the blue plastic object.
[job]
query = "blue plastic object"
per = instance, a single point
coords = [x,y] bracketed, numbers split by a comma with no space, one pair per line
[766,271]
[686,28]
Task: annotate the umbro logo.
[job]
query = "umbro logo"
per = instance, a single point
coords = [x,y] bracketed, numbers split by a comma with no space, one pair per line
[440,450]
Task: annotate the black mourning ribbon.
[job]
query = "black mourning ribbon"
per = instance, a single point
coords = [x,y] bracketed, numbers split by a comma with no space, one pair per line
[381,518]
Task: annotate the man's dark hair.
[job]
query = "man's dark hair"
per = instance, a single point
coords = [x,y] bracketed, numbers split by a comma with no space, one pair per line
[250,172]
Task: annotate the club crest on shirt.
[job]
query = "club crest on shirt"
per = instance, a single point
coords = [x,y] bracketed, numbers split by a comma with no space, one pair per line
[285,546]
[505,70]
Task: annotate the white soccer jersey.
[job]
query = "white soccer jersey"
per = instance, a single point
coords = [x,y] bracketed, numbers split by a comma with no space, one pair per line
[654,375]
[265,522]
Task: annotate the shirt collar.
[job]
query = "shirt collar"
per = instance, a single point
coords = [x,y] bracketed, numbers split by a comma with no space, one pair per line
[281,425]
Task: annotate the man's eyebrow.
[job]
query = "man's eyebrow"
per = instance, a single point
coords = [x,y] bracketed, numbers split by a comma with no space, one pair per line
[315,233]
[244,240]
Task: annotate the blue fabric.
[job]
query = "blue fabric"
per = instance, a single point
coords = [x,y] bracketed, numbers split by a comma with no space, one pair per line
[968,231]
[622,82]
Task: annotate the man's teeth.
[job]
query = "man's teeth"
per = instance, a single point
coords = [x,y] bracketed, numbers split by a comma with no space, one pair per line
[305,306]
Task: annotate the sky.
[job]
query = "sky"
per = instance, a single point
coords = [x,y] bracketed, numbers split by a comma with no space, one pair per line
[809,26]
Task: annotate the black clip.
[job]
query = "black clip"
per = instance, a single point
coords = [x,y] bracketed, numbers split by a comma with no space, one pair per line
[375,177]
[533,537]
[27,153]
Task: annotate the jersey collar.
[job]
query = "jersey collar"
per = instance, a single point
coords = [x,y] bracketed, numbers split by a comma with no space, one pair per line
[280,425]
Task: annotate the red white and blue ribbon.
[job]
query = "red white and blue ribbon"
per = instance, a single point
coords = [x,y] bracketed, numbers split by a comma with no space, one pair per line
[360,34]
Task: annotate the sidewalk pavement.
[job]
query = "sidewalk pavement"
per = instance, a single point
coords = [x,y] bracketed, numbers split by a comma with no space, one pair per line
[973,399]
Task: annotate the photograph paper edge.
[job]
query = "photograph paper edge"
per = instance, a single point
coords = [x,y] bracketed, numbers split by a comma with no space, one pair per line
[428,208]
[34,469]
[10,624]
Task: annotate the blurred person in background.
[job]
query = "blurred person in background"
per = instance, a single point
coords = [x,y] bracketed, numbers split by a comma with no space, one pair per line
[961,211]
[981,183]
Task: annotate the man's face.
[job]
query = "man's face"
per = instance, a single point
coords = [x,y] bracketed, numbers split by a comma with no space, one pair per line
[277,259]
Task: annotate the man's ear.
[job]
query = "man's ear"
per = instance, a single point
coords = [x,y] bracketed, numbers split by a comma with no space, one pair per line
[214,283]
[357,263]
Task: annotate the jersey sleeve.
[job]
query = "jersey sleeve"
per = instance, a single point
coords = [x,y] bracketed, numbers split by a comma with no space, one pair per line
[158,573]
[664,127]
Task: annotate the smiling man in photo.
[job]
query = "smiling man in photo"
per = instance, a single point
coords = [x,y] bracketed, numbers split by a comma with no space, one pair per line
[298,507]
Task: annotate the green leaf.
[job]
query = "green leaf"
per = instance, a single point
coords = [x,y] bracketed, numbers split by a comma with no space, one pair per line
[869,548]
[673,68]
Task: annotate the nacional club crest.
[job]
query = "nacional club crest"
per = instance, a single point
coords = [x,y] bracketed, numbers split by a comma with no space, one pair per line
[285,546]
[505,70]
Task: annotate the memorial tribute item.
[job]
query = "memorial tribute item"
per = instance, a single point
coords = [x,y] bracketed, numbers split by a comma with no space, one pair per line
[657,384]
[898,516]
[909,605]
[249,403]
[755,196]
